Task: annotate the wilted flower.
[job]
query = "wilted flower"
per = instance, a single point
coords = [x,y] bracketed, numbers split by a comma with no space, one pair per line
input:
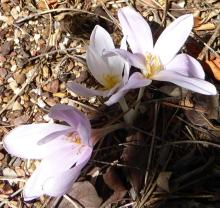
[160,62]
[111,72]
[64,151]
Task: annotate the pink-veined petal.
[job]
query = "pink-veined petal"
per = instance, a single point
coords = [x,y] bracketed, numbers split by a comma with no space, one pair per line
[186,65]
[101,40]
[136,29]
[97,65]
[136,60]
[23,140]
[47,178]
[173,38]
[194,84]
[74,118]
[83,91]
[136,80]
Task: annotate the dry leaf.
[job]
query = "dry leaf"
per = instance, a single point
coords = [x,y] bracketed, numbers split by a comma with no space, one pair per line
[196,118]
[173,91]
[206,26]
[163,180]
[214,65]
[113,181]
[133,155]
[200,25]
[85,193]
[50,3]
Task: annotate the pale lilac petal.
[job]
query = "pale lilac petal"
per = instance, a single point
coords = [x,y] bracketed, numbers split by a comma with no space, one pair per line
[97,66]
[173,38]
[83,91]
[74,118]
[57,186]
[23,140]
[136,80]
[101,40]
[186,65]
[136,60]
[136,29]
[57,172]
[54,135]
[194,84]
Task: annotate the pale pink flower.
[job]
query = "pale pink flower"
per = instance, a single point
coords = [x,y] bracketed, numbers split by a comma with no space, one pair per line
[111,72]
[160,62]
[64,151]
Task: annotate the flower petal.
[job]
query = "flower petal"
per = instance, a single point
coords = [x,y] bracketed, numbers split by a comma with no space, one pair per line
[186,65]
[136,80]
[173,38]
[56,173]
[194,84]
[136,29]
[97,65]
[136,60]
[83,91]
[74,118]
[100,40]
[23,140]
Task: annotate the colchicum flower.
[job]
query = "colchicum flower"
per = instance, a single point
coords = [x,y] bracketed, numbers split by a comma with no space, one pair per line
[160,62]
[111,72]
[64,151]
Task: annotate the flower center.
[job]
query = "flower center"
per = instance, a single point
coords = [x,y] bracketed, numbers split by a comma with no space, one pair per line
[73,137]
[110,80]
[153,65]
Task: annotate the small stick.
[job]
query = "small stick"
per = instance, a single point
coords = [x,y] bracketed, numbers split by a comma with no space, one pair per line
[210,42]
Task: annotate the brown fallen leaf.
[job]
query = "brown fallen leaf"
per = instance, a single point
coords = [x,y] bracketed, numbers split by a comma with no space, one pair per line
[42,5]
[133,156]
[84,193]
[214,65]
[113,181]
[163,181]
[199,24]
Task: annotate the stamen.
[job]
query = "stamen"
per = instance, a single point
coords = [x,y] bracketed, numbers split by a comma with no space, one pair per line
[153,65]
[110,80]
[73,137]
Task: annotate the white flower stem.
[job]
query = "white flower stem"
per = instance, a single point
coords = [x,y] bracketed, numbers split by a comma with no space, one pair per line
[123,104]
[140,95]
[128,113]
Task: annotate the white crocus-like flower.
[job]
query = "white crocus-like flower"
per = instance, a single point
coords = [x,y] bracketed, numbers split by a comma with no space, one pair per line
[159,61]
[111,72]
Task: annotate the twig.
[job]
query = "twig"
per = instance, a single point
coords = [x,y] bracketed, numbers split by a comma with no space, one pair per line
[152,143]
[71,201]
[210,42]
[59,10]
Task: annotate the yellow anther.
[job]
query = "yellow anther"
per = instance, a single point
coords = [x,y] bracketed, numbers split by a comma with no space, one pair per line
[73,137]
[153,65]
[110,80]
